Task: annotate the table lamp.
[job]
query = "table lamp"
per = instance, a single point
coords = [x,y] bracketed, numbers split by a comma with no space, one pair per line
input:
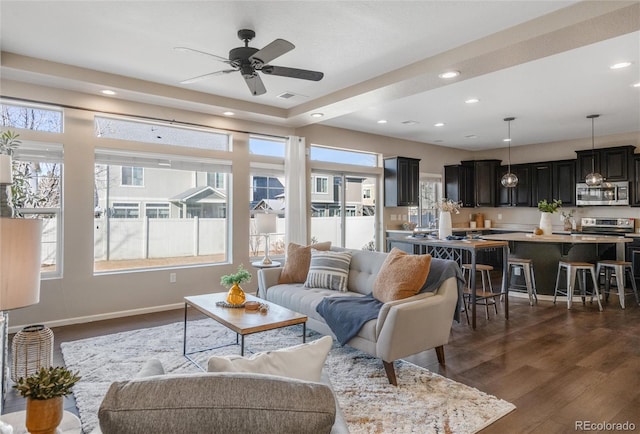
[266,225]
[20,261]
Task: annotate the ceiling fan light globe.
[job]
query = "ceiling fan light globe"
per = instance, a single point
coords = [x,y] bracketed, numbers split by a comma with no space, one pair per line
[593,179]
[509,180]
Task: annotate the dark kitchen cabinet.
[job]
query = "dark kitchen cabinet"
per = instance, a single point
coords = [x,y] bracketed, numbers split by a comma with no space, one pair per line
[520,195]
[635,181]
[472,182]
[614,164]
[401,181]
[458,184]
[541,182]
[633,256]
[484,179]
[563,181]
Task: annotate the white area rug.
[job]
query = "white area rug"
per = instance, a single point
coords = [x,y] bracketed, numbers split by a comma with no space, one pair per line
[423,402]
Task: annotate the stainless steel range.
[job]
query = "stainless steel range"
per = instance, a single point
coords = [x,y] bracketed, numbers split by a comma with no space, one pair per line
[607,226]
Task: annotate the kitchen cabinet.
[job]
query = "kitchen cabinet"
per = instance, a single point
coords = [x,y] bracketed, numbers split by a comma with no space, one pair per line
[401,181]
[633,256]
[472,182]
[635,181]
[553,180]
[520,195]
[564,181]
[614,164]
[541,182]
[458,184]
[484,179]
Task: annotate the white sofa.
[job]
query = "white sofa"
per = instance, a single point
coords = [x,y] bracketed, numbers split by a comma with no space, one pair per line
[403,327]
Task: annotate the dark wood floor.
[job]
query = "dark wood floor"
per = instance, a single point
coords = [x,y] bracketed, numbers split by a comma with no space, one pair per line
[557,366]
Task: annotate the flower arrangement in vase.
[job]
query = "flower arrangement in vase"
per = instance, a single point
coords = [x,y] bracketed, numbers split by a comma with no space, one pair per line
[236,295]
[446,207]
[547,209]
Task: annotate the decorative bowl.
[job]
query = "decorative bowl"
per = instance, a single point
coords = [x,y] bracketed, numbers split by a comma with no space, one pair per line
[251,305]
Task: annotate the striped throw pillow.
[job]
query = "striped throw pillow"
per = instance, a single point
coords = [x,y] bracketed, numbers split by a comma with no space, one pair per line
[328,270]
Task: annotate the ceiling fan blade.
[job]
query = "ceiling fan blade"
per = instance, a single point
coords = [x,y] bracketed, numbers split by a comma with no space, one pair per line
[256,86]
[275,49]
[186,49]
[204,77]
[293,72]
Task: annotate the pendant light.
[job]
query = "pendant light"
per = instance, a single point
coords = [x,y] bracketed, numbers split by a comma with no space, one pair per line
[594,178]
[509,180]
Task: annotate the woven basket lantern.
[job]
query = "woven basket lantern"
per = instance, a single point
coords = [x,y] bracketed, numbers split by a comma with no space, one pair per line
[32,349]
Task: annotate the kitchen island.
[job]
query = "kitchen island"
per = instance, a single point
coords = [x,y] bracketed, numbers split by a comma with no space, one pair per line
[547,250]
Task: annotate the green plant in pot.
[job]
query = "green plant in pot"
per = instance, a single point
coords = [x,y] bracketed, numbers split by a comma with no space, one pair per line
[45,390]
[236,295]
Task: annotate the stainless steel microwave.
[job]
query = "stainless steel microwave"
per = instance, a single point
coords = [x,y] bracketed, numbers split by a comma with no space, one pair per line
[607,193]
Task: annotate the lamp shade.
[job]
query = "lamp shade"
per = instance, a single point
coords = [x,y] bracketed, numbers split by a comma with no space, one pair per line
[20,261]
[266,223]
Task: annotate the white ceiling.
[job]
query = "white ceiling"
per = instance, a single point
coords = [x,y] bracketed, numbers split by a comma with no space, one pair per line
[544,62]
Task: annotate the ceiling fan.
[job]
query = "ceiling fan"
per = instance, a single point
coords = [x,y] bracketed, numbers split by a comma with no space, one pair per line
[249,61]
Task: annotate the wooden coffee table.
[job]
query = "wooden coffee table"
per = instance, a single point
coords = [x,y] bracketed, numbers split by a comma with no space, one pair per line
[239,320]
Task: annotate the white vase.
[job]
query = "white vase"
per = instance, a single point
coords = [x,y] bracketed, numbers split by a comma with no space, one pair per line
[545,223]
[444,226]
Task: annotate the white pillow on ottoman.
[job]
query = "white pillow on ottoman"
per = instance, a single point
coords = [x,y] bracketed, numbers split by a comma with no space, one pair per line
[302,362]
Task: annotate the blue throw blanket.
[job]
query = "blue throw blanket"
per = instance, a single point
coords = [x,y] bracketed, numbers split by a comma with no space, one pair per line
[346,315]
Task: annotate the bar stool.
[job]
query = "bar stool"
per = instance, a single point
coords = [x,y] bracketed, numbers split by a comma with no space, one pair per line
[526,265]
[485,297]
[618,269]
[572,268]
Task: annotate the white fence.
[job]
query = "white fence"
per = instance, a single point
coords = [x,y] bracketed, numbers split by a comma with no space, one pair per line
[162,238]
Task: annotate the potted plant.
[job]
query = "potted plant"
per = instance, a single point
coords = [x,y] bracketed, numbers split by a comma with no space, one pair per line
[547,209]
[45,390]
[236,295]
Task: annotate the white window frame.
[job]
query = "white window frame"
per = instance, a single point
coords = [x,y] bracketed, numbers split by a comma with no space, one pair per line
[314,187]
[128,206]
[133,177]
[157,206]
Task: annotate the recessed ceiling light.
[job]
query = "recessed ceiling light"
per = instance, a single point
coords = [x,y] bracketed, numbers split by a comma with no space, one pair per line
[636,84]
[382,121]
[449,74]
[228,113]
[439,124]
[620,65]
[164,164]
[317,115]
[506,140]
[107,92]
[471,136]
[472,100]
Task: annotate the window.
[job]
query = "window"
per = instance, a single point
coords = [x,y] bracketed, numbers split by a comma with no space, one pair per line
[31,117]
[186,218]
[345,217]
[267,195]
[267,146]
[426,214]
[124,210]
[132,176]
[217,180]
[37,193]
[155,132]
[343,156]
[320,184]
[157,210]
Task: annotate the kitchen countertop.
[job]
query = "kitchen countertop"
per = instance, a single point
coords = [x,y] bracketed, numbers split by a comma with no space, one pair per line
[558,238]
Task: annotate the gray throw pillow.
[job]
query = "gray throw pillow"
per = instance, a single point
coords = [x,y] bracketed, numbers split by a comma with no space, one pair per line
[217,403]
[329,270]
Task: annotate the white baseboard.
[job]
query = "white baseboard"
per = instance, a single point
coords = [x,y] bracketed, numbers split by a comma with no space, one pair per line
[102,316]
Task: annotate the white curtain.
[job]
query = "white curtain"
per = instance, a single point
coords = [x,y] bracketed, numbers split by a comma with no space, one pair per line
[295,191]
